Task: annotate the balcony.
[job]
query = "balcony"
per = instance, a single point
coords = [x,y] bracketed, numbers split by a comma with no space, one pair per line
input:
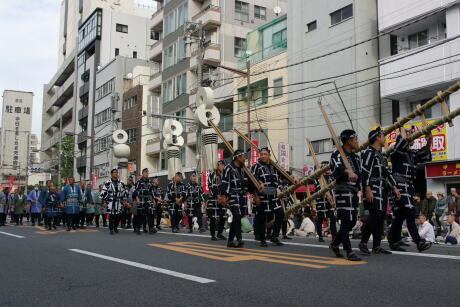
[157,18]
[153,146]
[83,113]
[84,89]
[82,137]
[404,73]
[212,53]
[155,80]
[81,162]
[156,51]
[209,17]
[62,94]
[263,54]
[65,112]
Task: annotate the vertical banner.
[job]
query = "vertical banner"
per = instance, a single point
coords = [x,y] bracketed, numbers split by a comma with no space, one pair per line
[254,153]
[220,154]
[11,179]
[205,182]
[283,155]
[95,178]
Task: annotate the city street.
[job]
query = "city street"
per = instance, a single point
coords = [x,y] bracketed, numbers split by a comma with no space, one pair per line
[90,267]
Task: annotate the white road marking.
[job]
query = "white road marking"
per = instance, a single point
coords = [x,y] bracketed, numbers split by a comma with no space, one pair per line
[12,235]
[200,280]
[440,256]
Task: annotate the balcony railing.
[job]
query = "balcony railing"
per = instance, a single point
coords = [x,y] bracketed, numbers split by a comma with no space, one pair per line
[263,54]
[226,123]
[81,162]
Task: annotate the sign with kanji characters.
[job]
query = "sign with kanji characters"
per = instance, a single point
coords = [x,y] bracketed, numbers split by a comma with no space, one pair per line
[449,169]
[439,145]
[204,182]
[283,155]
[254,153]
[220,154]
[95,178]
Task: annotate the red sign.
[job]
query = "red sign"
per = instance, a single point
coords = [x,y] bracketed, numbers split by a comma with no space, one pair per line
[254,153]
[95,178]
[11,179]
[451,169]
[220,154]
[205,182]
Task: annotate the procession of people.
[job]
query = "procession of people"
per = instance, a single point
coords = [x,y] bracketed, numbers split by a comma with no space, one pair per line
[364,180]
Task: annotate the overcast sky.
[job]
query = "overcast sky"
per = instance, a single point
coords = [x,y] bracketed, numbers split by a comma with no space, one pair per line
[29,47]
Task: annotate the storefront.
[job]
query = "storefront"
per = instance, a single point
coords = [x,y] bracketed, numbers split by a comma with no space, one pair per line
[442,176]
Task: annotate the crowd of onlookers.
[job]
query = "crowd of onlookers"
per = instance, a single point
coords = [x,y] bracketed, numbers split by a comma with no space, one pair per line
[438,217]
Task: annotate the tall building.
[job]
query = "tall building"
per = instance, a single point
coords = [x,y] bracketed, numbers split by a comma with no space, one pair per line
[266,48]
[92,33]
[34,149]
[16,135]
[176,28]
[418,59]
[315,29]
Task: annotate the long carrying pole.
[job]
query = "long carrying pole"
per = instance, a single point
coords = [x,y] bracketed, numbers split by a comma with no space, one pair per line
[445,119]
[230,148]
[322,180]
[276,165]
[249,96]
[439,98]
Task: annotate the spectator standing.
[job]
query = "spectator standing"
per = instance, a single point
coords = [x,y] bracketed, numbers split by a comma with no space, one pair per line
[19,203]
[440,210]
[5,201]
[35,205]
[90,207]
[98,207]
[428,206]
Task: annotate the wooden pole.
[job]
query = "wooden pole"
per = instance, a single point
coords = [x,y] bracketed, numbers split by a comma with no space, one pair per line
[322,180]
[230,148]
[335,138]
[276,165]
[445,109]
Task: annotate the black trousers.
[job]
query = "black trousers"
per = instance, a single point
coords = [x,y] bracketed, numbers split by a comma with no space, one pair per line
[51,221]
[263,217]
[2,219]
[216,223]
[36,217]
[18,218]
[196,213]
[126,218]
[235,226]
[72,220]
[396,226]
[374,226]
[89,218]
[82,218]
[323,216]
[158,213]
[114,220]
[96,219]
[342,237]
[138,221]
[176,217]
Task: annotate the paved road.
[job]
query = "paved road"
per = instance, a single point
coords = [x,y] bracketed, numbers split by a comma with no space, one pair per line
[92,268]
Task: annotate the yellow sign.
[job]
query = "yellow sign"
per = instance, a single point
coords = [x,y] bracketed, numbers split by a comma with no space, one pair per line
[221,253]
[439,145]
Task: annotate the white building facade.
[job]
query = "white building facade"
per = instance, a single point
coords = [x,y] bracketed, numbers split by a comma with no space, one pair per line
[419,58]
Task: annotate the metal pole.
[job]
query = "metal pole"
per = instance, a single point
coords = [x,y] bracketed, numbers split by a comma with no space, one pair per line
[59,151]
[249,96]
[27,161]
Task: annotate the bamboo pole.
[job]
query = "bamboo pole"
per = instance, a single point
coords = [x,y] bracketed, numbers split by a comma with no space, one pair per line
[276,165]
[439,98]
[322,180]
[230,148]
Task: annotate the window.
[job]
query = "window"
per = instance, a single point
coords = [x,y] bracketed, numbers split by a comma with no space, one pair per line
[278,87]
[342,14]
[105,89]
[18,100]
[102,144]
[239,47]
[418,39]
[260,12]
[279,39]
[102,169]
[259,91]
[428,113]
[9,109]
[182,14]
[311,26]
[103,117]
[168,57]
[17,110]
[117,51]
[322,146]
[131,135]
[170,23]
[168,91]
[181,49]
[90,30]
[393,44]
[181,84]
[121,28]
[81,59]
[242,11]
[26,110]
[130,102]
[134,54]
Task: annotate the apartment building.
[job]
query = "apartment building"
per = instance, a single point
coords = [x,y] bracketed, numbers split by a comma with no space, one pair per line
[176,28]
[315,29]
[417,59]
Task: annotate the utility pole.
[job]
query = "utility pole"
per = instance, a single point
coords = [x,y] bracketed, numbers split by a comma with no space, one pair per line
[60,150]
[249,97]
[27,161]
